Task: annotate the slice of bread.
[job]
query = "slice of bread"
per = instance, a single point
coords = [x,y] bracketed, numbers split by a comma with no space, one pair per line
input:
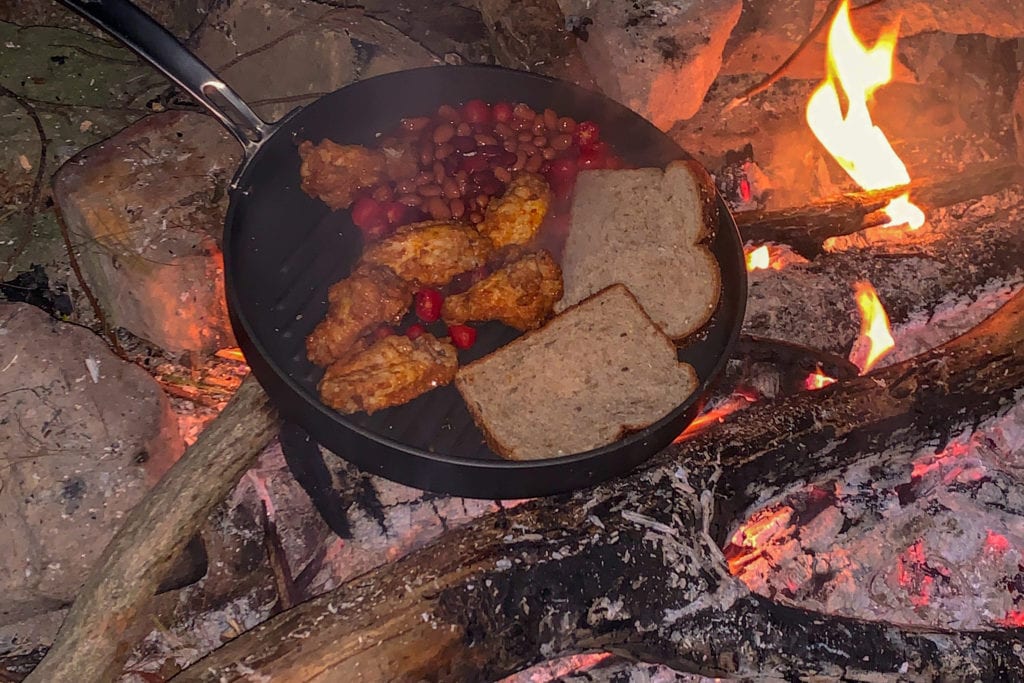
[646,228]
[591,375]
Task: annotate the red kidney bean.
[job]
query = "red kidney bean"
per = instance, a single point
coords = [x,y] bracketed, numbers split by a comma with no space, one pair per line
[464,143]
[489,150]
[474,163]
[506,160]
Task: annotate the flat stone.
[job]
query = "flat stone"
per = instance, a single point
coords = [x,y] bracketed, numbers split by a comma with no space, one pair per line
[148,207]
[286,53]
[658,57]
[84,435]
[996,18]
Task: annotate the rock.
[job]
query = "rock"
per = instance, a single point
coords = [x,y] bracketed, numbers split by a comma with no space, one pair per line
[1018,121]
[531,35]
[996,18]
[282,54]
[766,34]
[148,206]
[659,57]
[84,435]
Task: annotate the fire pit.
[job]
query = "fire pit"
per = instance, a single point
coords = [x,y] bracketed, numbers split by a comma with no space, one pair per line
[847,506]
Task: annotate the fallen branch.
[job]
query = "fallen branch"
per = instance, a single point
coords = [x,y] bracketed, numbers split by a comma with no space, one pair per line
[805,228]
[630,566]
[89,645]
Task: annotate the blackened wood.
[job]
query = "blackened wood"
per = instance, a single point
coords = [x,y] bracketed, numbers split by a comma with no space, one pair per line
[630,566]
[805,228]
[89,645]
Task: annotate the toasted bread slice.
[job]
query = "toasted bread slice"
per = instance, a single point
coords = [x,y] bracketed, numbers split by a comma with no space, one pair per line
[646,228]
[591,375]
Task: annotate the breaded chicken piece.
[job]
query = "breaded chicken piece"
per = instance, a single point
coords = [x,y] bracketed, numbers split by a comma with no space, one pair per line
[371,296]
[521,294]
[430,253]
[334,173]
[393,371]
[515,217]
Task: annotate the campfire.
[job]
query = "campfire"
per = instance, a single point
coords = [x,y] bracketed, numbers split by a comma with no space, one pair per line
[846,504]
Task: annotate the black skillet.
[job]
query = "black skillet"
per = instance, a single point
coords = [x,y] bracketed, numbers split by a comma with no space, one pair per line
[282,250]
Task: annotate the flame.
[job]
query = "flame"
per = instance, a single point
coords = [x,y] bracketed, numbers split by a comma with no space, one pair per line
[758,259]
[875,335]
[738,401]
[860,146]
[231,354]
[817,380]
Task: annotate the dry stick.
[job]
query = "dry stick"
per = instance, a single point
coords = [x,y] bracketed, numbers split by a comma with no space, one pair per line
[806,228]
[89,645]
[629,566]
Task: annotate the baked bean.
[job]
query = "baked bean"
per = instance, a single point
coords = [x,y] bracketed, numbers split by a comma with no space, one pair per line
[482,139]
[429,190]
[523,112]
[561,142]
[476,217]
[511,146]
[482,200]
[502,174]
[476,162]
[415,124]
[550,119]
[525,136]
[438,209]
[410,200]
[439,172]
[539,128]
[528,148]
[463,129]
[458,208]
[426,151]
[450,188]
[449,113]
[518,125]
[548,153]
[381,193]
[503,130]
[489,151]
[540,141]
[506,160]
[566,125]
[534,163]
[444,150]
[424,178]
[520,161]
[407,186]
[443,133]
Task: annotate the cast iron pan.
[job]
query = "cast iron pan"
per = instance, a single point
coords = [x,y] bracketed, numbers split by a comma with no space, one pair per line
[283,249]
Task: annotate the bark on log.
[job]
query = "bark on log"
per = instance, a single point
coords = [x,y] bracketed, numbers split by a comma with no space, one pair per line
[89,645]
[631,567]
[805,228]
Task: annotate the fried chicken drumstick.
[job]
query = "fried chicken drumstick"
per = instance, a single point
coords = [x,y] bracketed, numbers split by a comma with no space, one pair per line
[392,371]
[521,293]
[430,253]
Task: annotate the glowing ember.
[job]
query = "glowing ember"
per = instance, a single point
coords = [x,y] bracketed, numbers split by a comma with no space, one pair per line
[758,258]
[817,380]
[231,354]
[737,401]
[860,146]
[875,337]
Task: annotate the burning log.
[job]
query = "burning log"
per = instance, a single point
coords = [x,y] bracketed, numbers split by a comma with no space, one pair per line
[632,565]
[806,228]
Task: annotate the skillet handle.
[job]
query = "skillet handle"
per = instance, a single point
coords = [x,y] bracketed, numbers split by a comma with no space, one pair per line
[152,42]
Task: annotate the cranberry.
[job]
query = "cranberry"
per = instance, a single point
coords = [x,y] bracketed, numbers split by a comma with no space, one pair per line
[428,304]
[463,336]
[367,212]
[476,111]
[562,176]
[595,156]
[587,134]
[502,112]
[396,213]
[415,330]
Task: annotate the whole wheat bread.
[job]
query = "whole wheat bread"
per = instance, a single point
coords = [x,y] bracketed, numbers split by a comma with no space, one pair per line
[646,228]
[599,370]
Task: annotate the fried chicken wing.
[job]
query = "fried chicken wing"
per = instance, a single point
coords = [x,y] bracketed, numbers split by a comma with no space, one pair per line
[334,173]
[371,296]
[430,253]
[515,217]
[520,294]
[392,371]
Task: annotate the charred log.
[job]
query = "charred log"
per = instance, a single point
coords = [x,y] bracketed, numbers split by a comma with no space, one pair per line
[631,566]
[806,228]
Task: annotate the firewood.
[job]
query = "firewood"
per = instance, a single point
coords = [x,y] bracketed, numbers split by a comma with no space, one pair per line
[805,228]
[631,565]
[89,644]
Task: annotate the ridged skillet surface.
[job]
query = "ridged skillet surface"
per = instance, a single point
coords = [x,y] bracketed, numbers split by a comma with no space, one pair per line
[284,249]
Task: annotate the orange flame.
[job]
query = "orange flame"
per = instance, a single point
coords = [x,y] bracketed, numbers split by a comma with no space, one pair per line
[860,146]
[758,259]
[875,335]
[817,380]
[231,354]
[737,401]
